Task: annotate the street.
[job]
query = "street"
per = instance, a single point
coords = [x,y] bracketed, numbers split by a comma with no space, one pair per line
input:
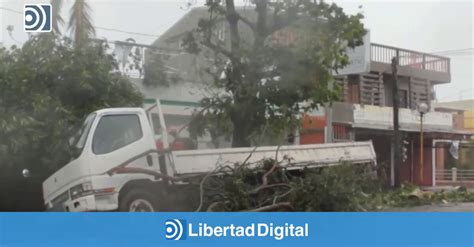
[449,207]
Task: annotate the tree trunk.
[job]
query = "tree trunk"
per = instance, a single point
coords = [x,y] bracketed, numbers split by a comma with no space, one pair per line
[240,136]
[242,129]
[261,31]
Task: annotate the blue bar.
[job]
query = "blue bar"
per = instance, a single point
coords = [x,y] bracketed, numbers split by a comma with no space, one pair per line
[324,229]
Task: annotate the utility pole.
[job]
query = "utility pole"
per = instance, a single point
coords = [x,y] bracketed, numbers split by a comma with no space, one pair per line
[329,117]
[396,127]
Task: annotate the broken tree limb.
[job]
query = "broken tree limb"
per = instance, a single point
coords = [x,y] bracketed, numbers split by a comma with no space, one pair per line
[213,205]
[268,173]
[247,159]
[266,187]
[282,205]
[282,195]
[201,186]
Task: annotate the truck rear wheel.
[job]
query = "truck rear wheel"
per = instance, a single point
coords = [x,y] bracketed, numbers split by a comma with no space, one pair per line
[139,201]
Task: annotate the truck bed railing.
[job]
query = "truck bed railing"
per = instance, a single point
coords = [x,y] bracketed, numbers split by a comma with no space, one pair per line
[298,156]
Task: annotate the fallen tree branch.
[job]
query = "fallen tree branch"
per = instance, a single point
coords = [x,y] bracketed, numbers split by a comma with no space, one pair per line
[276,153]
[265,187]
[265,176]
[282,205]
[201,187]
[247,159]
[255,148]
[282,195]
[213,205]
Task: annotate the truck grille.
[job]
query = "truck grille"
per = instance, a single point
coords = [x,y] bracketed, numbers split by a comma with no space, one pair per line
[57,202]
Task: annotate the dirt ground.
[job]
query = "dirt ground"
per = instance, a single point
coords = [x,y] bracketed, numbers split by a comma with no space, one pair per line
[449,207]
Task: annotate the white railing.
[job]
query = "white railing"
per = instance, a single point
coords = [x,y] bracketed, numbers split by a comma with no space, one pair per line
[418,60]
[455,175]
[378,115]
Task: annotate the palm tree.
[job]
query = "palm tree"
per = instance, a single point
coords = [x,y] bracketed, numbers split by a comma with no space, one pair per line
[57,19]
[80,23]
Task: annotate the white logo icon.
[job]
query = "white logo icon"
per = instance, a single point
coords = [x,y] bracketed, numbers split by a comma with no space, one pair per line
[174,229]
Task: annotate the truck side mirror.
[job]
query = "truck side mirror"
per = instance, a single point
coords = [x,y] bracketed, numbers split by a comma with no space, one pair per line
[26,173]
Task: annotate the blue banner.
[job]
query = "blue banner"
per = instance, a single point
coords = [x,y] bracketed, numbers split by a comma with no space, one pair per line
[237,229]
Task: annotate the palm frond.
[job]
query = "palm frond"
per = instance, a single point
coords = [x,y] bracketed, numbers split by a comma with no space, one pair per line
[58,21]
[80,22]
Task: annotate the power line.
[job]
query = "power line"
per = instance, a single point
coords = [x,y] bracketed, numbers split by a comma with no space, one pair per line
[458,53]
[11,10]
[138,45]
[127,32]
[97,27]
[454,51]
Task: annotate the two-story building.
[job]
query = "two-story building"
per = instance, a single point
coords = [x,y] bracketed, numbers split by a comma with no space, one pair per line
[366,112]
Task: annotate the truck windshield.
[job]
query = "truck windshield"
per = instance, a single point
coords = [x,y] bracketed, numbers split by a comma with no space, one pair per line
[78,141]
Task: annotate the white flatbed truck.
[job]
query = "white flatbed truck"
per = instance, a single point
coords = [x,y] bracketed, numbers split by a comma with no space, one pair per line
[117,165]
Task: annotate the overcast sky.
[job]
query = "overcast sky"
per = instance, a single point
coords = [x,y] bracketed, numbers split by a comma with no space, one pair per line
[428,26]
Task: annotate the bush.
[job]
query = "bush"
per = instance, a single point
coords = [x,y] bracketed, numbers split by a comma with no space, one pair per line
[46,88]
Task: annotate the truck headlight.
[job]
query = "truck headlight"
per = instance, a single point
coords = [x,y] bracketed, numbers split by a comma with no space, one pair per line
[81,190]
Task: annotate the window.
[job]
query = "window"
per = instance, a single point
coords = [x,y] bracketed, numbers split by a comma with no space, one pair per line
[173,122]
[114,132]
[403,98]
[78,141]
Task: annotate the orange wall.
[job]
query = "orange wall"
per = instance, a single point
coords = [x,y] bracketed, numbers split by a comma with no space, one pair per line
[312,130]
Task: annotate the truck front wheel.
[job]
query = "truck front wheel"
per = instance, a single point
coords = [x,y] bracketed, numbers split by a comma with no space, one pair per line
[139,201]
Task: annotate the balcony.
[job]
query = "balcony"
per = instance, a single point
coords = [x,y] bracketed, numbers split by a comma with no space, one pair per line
[381,118]
[412,63]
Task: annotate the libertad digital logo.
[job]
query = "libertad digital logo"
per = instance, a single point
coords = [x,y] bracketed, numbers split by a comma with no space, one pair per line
[175,229]
[37,18]
[178,230]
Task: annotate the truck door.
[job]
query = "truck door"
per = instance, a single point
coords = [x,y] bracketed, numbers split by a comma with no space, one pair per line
[123,140]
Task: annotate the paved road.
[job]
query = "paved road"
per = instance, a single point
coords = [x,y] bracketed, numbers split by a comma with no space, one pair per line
[449,207]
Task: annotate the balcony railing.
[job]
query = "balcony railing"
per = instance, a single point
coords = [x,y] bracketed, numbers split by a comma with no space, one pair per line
[418,60]
[368,115]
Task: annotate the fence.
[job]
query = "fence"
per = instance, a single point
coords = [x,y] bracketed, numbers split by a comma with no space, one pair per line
[455,175]
[424,61]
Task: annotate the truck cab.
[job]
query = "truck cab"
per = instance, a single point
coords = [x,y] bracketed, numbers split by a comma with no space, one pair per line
[109,139]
